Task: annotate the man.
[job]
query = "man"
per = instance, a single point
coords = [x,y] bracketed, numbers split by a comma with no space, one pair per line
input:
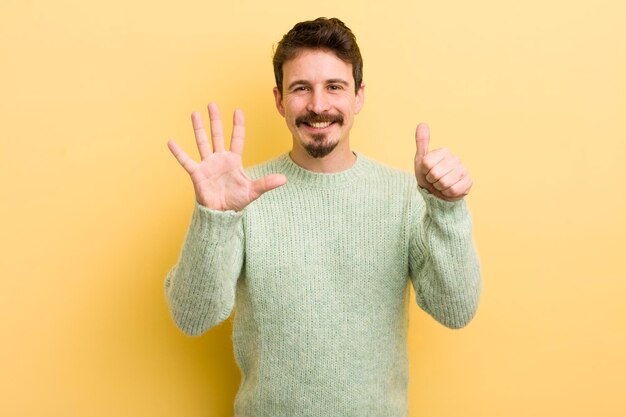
[316,246]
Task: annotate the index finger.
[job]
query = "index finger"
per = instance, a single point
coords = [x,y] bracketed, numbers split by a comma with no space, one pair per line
[432,159]
[201,139]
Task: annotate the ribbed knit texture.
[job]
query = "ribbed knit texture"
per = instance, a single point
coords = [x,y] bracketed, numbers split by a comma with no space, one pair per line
[318,271]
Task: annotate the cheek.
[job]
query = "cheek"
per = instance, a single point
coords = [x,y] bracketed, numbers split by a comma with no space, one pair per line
[347,105]
[293,105]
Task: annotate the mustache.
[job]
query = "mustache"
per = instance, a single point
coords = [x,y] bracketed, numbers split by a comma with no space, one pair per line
[313,117]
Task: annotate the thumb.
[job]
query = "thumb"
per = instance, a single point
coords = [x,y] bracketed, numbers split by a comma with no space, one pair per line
[267,183]
[422,139]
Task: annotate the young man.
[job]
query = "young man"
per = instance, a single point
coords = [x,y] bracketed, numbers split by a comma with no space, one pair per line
[317,246]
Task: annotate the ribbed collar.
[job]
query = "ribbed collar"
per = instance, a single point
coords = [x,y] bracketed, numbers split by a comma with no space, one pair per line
[298,175]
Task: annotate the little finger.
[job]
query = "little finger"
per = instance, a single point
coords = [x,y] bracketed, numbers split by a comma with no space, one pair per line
[447,164]
[459,189]
[183,159]
[450,178]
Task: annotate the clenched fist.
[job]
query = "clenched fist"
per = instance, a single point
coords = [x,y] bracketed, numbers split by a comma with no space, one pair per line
[439,171]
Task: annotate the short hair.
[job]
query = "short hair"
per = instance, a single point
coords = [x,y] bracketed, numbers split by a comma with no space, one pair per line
[322,33]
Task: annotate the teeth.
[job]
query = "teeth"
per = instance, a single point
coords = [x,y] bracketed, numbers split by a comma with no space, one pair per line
[320,125]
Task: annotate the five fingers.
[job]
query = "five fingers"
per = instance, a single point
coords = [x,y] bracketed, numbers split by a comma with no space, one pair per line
[443,171]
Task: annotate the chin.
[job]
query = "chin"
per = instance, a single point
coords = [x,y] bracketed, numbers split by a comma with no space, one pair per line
[320,151]
[319,146]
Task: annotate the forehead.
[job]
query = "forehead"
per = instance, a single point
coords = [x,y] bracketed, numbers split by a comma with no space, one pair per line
[316,65]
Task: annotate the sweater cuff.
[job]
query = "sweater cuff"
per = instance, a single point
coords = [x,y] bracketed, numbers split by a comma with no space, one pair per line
[214,225]
[443,210]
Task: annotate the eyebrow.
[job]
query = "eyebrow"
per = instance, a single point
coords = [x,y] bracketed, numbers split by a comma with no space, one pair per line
[331,81]
[338,81]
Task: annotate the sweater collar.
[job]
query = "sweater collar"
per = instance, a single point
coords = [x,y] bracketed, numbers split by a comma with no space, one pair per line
[297,174]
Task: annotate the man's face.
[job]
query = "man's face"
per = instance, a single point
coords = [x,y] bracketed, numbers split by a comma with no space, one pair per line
[318,101]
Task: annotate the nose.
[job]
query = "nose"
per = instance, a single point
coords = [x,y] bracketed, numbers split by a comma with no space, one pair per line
[318,102]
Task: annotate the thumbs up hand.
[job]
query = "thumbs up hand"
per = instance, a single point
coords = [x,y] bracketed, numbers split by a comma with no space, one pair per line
[439,171]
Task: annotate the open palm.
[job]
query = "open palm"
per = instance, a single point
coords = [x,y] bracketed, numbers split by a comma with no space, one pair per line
[219,179]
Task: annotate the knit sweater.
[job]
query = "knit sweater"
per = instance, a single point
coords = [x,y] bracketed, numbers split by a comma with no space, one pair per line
[318,270]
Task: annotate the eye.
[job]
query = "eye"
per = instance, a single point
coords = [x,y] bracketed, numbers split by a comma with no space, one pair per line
[335,87]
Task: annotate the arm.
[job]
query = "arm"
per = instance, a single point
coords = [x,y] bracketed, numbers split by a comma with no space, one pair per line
[200,289]
[443,263]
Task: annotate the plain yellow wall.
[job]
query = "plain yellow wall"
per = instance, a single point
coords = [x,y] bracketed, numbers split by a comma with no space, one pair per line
[531,95]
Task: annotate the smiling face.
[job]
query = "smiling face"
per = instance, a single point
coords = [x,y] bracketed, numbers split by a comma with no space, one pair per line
[318,102]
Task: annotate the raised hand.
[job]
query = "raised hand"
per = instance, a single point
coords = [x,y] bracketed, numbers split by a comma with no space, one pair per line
[439,171]
[218,179]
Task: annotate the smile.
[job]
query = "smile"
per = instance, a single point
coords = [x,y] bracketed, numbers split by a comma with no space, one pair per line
[319,125]
[316,122]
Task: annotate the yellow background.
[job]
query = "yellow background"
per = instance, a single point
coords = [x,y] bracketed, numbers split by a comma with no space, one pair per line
[531,95]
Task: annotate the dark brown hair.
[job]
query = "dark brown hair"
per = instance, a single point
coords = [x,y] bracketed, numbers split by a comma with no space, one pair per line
[322,33]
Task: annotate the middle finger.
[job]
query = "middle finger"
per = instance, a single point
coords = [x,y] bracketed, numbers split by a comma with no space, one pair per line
[217,131]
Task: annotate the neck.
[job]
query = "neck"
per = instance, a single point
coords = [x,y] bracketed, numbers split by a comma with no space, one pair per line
[340,159]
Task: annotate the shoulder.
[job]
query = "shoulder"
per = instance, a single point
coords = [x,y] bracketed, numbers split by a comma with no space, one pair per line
[272,166]
[391,175]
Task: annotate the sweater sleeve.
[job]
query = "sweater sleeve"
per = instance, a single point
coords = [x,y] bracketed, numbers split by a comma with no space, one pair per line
[200,288]
[443,263]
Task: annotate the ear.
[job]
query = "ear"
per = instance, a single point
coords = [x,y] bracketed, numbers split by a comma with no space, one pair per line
[278,98]
[360,99]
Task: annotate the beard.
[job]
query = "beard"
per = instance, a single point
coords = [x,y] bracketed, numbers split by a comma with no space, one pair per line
[320,144]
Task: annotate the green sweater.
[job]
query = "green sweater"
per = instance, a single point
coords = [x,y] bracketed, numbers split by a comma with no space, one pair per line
[318,271]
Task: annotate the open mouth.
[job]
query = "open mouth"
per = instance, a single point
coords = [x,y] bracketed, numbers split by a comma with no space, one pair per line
[319,125]
[319,122]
